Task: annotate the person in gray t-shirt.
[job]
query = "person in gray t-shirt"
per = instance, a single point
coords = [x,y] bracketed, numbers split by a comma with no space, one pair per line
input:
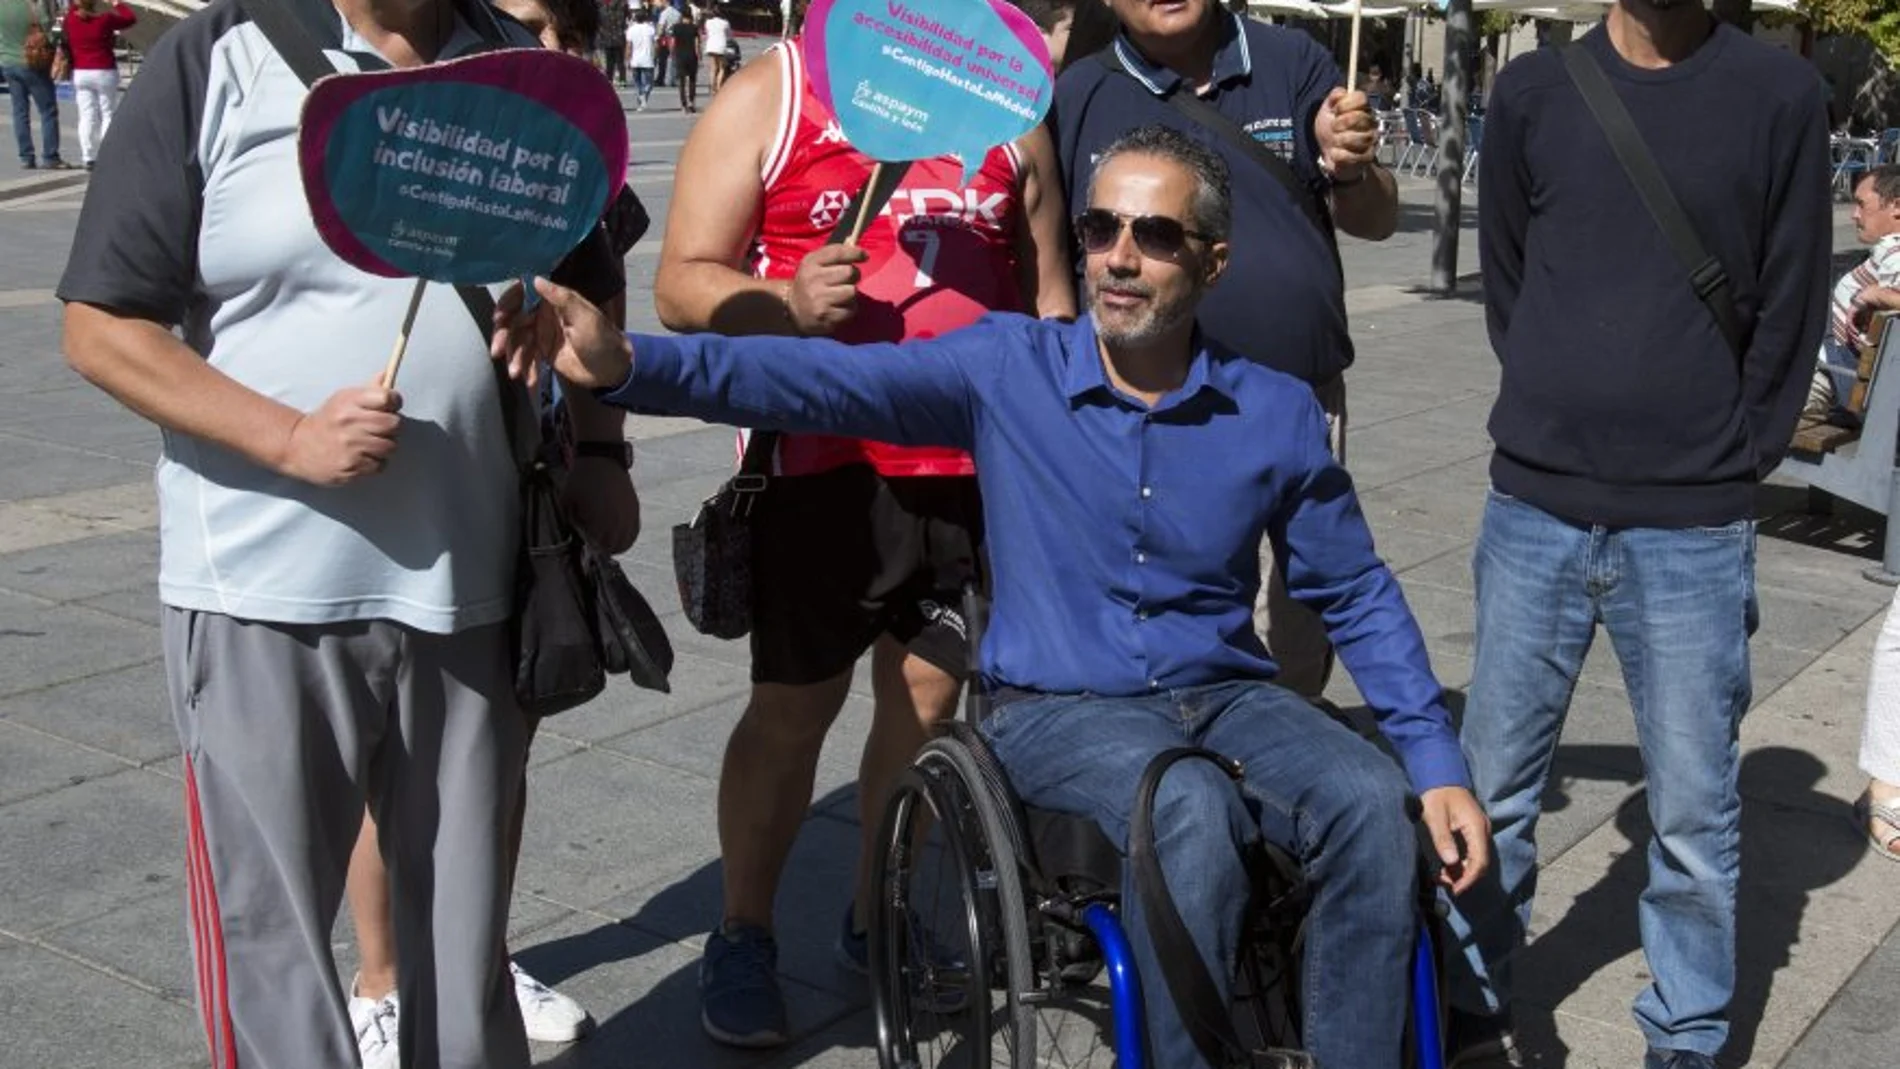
[336,559]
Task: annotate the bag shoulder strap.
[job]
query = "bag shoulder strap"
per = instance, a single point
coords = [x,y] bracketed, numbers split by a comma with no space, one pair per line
[1209,118]
[1204,1013]
[1707,276]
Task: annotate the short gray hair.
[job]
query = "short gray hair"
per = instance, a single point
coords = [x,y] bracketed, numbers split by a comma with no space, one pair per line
[1213,206]
[1886,180]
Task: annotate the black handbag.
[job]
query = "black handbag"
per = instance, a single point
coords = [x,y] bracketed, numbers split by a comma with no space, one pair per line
[576,618]
[712,555]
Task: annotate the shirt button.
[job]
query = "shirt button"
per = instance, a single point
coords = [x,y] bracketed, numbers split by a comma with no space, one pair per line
[1141,558]
[1154,684]
[1147,491]
[1141,614]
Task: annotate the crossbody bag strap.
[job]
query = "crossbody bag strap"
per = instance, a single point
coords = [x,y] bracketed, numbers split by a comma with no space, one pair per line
[1205,1015]
[1707,276]
[1209,118]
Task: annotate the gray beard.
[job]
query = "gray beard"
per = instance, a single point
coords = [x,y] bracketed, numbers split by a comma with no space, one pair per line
[1154,327]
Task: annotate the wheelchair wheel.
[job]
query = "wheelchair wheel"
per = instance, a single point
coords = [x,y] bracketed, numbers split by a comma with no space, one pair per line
[949,932]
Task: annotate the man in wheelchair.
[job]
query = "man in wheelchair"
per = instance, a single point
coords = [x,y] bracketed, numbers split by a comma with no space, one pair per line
[1128,472]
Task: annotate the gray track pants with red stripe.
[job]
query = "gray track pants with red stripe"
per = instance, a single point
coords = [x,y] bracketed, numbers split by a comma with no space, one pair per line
[287,730]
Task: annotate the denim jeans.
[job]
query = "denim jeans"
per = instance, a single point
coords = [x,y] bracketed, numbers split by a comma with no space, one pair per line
[1312,787]
[643,82]
[22,83]
[1679,607]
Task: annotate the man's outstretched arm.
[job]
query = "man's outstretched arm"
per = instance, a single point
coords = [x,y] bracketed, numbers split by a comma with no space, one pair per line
[1331,566]
[913,394]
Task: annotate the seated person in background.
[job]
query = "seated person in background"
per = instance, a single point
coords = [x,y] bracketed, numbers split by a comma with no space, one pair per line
[1053,18]
[1129,471]
[1876,223]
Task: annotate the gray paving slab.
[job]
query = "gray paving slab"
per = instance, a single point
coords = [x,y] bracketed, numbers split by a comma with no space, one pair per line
[601,824]
[146,943]
[57,1012]
[32,468]
[85,850]
[696,681]
[34,763]
[123,713]
[137,604]
[43,645]
[88,568]
[1859,1027]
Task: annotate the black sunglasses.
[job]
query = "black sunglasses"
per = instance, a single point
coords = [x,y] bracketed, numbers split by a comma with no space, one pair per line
[1157,236]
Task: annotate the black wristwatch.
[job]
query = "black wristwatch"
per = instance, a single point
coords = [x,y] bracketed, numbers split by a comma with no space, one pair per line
[620,451]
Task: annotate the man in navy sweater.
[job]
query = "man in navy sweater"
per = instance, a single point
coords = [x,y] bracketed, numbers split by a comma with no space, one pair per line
[1630,440]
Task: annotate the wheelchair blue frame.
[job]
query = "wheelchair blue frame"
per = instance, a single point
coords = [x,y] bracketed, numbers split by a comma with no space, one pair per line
[1124,988]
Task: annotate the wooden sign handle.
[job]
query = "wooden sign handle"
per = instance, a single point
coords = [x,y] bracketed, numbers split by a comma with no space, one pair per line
[865,209]
[402,336]
[1352,52]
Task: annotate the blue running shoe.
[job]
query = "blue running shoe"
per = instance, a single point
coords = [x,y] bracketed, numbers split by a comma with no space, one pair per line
[740,1003]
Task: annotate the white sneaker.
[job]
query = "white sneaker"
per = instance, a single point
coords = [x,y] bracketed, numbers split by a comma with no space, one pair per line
[550,1017]
[375,1022]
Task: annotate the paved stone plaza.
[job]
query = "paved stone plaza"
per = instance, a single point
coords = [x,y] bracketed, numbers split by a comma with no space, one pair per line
[619,877]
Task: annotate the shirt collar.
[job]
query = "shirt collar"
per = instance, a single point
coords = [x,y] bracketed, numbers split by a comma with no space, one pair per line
[1231,60]
[1884,247]
[1085,375]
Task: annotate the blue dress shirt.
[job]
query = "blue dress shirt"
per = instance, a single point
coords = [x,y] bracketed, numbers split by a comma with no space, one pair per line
[1123,539]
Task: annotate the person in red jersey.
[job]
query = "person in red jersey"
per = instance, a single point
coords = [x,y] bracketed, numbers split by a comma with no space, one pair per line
[857,545]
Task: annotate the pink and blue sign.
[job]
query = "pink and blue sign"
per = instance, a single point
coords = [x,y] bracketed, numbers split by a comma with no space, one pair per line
[915,79]
[470,172]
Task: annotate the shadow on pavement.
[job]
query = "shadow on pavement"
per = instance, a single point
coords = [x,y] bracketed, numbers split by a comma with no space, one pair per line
[662,1025]
[1811,518]
[1780,870]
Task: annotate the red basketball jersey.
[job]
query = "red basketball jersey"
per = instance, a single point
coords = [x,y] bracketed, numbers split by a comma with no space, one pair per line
[941,253]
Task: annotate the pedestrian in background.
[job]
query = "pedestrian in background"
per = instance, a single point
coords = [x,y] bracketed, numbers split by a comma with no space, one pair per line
[92,32]
[611,36]
[26,62]
[684,37]
[718,38]
[665,15]
[642,45]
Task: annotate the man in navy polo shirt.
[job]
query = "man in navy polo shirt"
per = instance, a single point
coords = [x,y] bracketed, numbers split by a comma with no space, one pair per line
[1282,89]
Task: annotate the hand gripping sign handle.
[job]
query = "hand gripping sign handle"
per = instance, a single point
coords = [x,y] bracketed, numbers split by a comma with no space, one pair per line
[402,336]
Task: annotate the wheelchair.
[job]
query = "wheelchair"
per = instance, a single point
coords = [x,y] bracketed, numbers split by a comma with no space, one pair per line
[994,921]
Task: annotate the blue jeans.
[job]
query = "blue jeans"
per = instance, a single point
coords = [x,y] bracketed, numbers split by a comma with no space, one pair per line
[22,83]
[1679,606]
[1312,787]
[643,82]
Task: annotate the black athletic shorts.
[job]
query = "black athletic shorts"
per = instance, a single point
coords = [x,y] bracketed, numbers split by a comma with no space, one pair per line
[844,556]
